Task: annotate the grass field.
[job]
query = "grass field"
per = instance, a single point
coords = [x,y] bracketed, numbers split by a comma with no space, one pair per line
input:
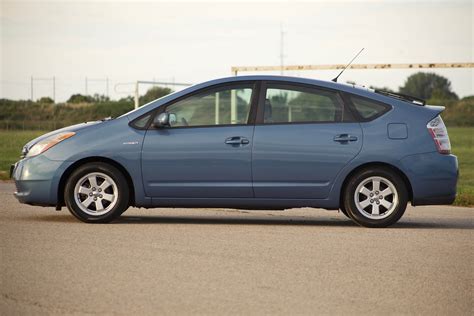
[462,141]
[462,144]
[11,143]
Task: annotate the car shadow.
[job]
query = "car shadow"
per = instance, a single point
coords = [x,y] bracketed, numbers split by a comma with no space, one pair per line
[268,220]
[232,220]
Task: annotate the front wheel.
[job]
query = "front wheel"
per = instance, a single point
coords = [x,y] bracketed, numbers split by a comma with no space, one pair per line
[375,197]
[343,211]
[97,193]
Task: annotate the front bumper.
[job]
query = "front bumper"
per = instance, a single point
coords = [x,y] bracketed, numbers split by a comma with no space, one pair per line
[12,169]
[433,178]
[36,180]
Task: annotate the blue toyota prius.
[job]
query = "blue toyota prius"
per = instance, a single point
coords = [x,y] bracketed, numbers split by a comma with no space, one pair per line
[249,142]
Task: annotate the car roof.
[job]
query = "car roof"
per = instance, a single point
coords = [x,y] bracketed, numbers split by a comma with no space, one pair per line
[322,83]
[361,91]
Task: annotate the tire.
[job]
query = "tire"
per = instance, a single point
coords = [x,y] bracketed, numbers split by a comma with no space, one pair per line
[372,207]
[343,211]
[97,193]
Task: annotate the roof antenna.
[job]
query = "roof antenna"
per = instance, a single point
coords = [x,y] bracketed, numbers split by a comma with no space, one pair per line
[335,79]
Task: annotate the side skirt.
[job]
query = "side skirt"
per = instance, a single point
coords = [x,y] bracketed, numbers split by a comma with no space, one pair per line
[244,203]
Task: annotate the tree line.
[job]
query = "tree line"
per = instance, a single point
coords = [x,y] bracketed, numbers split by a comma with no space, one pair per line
[43,114]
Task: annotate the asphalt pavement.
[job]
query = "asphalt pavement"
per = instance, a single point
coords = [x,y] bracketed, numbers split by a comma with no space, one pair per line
[207,261]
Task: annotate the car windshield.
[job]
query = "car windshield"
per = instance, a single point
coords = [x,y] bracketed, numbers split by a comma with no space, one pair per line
[145,105]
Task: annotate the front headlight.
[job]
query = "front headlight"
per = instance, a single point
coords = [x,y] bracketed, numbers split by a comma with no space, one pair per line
[47,143]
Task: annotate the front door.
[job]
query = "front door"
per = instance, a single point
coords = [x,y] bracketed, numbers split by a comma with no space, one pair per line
[303,138]
[206,150]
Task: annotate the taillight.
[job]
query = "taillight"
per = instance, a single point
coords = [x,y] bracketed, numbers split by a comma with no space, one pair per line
[440,136]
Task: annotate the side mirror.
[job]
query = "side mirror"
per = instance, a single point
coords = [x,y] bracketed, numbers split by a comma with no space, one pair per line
[172,119]
[161,120]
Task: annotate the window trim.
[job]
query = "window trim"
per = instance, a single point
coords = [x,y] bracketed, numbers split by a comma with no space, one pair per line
[162,108]
[263,93]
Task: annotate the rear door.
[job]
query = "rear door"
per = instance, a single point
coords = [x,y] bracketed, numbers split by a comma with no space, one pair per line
[206,152]
[303,137]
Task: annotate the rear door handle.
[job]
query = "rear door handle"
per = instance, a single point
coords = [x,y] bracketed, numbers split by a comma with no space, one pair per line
[344,138]
[237,140]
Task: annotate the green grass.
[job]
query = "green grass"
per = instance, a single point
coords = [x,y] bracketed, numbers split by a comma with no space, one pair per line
[11,143]
[462,142]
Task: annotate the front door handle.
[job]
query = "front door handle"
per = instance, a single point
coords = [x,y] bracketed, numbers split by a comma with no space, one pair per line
[237,140]
[344,138]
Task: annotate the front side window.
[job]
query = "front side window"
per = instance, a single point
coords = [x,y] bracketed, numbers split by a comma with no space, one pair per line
[287,104]
[220,106]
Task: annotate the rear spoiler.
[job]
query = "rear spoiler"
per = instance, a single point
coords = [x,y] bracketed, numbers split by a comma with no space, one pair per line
[402,97]
[433,111]
[438,108]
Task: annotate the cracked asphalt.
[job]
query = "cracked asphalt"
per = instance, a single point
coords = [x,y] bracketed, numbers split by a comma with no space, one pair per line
[202,261]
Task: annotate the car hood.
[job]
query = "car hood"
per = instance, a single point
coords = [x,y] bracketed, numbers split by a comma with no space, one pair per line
[72,128]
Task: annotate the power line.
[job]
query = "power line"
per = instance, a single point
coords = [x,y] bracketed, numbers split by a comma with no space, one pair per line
[106,80]
[138,82]
[52,79]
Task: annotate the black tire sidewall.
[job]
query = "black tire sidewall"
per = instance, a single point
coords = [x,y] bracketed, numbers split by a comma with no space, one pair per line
[343,211]
[122,186]
[351,208]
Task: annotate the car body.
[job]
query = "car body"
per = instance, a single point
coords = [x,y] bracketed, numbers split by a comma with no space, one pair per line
[252,142]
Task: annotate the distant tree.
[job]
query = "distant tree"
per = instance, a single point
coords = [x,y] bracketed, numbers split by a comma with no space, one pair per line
[79,98]
[279,99]
[99,98]
[45,100]
[428,86]
[371,87]
[126,99]
[381,88]
[154,93]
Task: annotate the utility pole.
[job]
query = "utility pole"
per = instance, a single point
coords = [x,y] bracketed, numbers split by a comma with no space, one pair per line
[136,95]
[282,48]
[86,85]
[49,79]
[107,84]
[137,83]
[54,89]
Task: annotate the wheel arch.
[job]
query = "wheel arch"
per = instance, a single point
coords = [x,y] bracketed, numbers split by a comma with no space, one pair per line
[372,165]
[67,173]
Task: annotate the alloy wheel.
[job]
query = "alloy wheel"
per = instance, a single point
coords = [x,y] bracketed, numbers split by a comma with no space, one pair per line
[96,193]
[376,197]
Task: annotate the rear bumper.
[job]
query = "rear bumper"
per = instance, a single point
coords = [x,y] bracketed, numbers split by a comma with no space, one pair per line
[438,200]
[433,178]
[36,181]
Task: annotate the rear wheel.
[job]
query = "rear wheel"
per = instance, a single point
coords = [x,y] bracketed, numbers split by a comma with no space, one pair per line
[375,197]
[97,193]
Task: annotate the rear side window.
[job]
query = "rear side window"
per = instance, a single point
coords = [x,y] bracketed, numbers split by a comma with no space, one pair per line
[368,109]
[292,104]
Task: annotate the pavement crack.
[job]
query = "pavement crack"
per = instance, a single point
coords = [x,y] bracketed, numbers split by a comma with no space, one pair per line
[49,308]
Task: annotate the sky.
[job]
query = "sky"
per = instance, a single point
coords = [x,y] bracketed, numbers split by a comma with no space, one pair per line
[197,41]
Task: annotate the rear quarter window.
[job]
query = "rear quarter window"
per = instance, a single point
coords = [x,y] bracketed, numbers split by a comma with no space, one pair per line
[368,109]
